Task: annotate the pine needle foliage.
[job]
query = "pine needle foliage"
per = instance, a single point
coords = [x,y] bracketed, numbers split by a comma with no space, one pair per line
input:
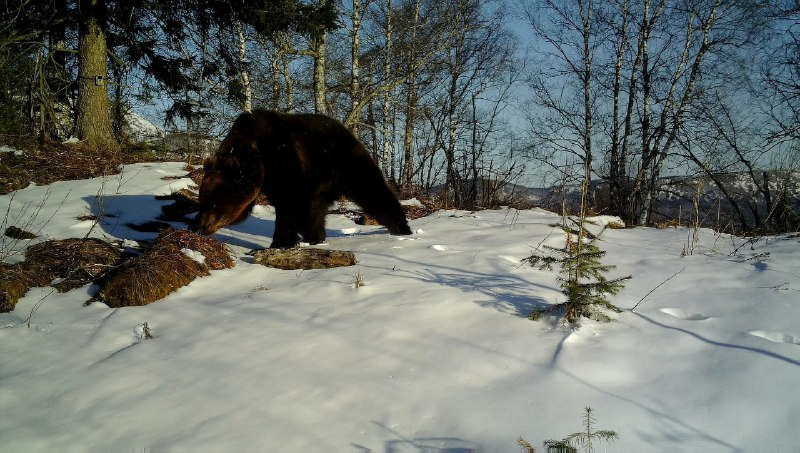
[583,438]
[582,277]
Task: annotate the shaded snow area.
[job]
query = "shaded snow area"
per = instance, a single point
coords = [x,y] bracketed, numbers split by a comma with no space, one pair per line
[433,354]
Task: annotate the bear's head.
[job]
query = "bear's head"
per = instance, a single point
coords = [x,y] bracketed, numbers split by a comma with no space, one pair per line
[231,182]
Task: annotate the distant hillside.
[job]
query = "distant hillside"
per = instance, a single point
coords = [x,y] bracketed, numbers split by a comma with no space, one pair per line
[675,200]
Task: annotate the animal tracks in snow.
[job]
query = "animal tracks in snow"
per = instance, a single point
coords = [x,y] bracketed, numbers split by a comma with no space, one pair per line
[769,335]
[685,315]
[776,337]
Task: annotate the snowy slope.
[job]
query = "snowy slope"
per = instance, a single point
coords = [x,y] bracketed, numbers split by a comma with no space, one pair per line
[434,354]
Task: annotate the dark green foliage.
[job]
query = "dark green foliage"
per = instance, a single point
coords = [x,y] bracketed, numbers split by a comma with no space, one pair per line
[178,45]
[559,446]
[582,278]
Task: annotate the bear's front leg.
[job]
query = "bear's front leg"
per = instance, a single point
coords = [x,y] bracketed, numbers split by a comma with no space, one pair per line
[286,228]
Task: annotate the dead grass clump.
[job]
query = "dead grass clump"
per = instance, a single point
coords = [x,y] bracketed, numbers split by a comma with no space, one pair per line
[303,258]
[73,262]
[44,165]
[14,283]
[365,219]
[215,253]
[18,233]
[148,278]
[11,177]
[416,212]
[668,223]
[163,268]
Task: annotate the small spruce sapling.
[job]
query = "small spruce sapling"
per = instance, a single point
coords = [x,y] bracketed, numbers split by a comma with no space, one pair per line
[582,278]
[584,438]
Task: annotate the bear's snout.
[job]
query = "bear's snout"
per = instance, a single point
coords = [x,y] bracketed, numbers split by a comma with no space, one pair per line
[202,224]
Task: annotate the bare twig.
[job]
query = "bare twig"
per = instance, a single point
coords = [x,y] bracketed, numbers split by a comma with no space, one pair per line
[657,286]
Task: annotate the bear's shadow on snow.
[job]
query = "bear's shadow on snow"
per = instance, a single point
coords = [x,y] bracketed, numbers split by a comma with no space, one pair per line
[121,215]
[116,214]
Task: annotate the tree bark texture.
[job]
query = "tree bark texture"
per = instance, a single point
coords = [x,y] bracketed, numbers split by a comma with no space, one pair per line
[93,124]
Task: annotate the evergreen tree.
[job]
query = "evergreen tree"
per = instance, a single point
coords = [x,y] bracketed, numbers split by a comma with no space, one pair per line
[582,279]
[583,438]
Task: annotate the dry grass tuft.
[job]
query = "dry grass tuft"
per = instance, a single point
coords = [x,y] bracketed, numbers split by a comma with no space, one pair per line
[669,223]
[74,262]
[303,258]
[416,212]
[217,256]
[162,269]
[14,283]
[365,219]
[44,165]
[18,233]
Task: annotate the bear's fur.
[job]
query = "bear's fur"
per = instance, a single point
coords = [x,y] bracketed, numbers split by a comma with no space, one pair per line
[302,163]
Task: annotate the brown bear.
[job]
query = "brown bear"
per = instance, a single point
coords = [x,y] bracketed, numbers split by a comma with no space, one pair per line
[302,163]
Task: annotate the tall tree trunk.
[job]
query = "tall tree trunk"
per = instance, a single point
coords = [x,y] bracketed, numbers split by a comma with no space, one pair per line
[617,165]
[586,19]
[247,102]
[408,137]
[387,68]
[639,201]
[118,109]
[287,71]
[411,104]
[453,182]
[59,123]
[93,124]
[355,51]
[320,86]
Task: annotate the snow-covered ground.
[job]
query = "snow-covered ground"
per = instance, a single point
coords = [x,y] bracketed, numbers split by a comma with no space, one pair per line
[433,354]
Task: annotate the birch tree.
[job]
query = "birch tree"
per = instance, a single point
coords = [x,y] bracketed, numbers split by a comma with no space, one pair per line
[663,59]
[247,104]
[569,31]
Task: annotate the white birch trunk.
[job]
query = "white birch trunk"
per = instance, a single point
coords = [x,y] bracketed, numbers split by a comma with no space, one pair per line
[320,88]
[387,68]
[355,88]
[248,93]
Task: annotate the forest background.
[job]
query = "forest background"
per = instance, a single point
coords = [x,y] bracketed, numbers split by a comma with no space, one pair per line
[466,102]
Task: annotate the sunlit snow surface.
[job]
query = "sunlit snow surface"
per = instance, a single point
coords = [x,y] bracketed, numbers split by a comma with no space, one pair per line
[433,354]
